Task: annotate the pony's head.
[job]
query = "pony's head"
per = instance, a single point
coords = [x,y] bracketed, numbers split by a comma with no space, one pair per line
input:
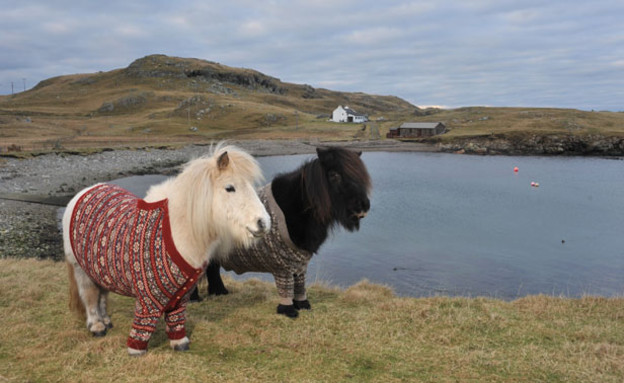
[223,202]
[339,187]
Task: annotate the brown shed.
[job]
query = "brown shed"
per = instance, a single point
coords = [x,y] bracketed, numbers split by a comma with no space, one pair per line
[417,129]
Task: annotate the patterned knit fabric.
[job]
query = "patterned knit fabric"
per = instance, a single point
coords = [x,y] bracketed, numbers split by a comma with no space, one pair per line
[275,253]
[125,245]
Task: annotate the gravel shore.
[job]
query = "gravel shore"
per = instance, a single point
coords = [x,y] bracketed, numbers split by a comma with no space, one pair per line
[31,229]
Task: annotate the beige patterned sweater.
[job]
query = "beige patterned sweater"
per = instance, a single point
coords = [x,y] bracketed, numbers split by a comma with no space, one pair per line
[275,253]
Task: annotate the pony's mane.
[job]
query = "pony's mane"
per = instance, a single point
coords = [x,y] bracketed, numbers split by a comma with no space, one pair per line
[316,191]
[353,167]
[241,163]
[316,188]
[191,189]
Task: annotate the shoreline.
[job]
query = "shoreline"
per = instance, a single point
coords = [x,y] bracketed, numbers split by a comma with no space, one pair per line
[60,173]
[29,225]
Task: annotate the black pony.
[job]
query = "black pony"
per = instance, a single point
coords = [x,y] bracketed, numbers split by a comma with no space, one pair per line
[305,205]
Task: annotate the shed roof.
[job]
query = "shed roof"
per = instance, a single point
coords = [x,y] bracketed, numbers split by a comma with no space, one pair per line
[420,125]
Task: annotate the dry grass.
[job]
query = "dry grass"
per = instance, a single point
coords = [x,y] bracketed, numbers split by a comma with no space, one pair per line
[362,334]
[509,122]
[68,112]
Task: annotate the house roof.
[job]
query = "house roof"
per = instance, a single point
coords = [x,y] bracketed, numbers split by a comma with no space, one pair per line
[352,112]
[420,125]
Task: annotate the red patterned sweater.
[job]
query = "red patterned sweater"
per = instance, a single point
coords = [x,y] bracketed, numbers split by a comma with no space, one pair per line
[125,245]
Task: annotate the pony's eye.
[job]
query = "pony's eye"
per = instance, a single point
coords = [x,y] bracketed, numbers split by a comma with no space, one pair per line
[335,177]
[230,189]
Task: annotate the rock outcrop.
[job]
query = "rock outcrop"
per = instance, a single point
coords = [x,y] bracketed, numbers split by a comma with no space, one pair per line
[161,66]
[538,145]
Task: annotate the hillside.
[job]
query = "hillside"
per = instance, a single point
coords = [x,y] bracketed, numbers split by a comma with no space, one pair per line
[541,131]
[162,101]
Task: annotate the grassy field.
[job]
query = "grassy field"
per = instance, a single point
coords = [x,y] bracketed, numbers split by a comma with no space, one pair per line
[160,100]
[362,334]
[482,121]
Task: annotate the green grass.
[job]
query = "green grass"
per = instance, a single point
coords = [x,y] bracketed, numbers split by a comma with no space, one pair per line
[362,334]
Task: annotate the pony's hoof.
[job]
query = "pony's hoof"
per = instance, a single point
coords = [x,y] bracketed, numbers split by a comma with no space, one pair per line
[135,352]
[195,298]
[98,334]
[180,344]
[182,347]
[218,291]
[98,330]
[288,310]
[302,305]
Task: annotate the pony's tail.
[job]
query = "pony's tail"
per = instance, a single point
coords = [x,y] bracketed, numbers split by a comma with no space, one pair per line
[75,303]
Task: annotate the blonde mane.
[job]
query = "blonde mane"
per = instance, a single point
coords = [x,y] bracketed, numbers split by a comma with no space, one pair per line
[195,226]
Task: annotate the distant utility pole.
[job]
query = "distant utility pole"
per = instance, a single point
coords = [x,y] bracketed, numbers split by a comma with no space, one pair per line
[11,87]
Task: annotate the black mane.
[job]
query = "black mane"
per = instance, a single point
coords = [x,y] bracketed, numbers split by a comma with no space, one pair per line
[309,196]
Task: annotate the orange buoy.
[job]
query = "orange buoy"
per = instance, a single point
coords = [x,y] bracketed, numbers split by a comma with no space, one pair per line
[516,169]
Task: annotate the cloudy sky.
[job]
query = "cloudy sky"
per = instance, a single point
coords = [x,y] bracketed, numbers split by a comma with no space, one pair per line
[551,53]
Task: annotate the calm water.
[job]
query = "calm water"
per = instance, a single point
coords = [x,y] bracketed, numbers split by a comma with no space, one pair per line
[444,224]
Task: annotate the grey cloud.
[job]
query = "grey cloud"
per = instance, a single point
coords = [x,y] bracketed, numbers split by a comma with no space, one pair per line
[454,53]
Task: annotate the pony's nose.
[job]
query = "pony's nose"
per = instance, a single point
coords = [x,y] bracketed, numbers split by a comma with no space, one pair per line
[263,225]
[365,205]
[262,228]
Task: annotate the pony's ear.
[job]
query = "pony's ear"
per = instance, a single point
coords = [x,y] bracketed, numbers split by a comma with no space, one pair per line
[359,153]
[223,161]
[325,155]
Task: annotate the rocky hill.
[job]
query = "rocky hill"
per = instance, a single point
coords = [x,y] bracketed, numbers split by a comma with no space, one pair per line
[159,96]
[531,131]
[162,101]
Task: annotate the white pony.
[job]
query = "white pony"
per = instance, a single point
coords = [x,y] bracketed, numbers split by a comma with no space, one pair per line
[155,249]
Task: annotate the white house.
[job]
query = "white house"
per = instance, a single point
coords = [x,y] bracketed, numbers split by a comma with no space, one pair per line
[347,114]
